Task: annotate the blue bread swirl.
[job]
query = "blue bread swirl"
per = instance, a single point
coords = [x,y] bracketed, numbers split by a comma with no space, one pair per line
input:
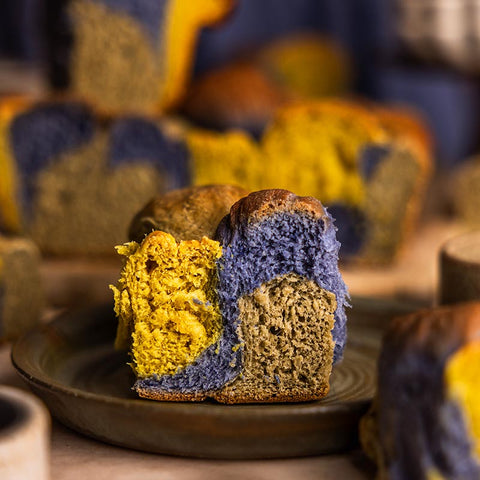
[424,421]
[74,171]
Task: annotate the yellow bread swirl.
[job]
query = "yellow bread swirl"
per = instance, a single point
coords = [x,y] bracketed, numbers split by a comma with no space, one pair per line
[10,215]
[311,148]
[169,289]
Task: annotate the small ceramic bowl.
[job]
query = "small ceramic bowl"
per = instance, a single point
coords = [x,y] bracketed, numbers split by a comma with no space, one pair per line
[24,436]
[460,269]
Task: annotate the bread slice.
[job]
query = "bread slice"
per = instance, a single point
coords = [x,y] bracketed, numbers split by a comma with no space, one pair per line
[371,163]
[126,56]
[21,293]
[46,148]
[425,421]
[256,315]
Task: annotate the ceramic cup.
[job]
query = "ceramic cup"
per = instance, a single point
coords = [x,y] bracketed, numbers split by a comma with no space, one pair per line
[460,269]
[24,436]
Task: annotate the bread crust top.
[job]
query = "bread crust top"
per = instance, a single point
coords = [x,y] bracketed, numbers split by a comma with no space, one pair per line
[258,205]
[438,332]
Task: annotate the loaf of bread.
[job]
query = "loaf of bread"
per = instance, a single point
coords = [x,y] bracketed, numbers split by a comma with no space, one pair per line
[69,174]
[246,93]
[126,56]
[236,96]
[256,314]
[425,420]
[307,65]
[371,165]
[21,292]
[396,180]
[305,146]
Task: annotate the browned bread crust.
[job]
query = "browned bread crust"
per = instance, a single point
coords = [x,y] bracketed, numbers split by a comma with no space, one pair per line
[169,397]
[228,398]
[260,204]
[187,214]
[439,331]
[239,95]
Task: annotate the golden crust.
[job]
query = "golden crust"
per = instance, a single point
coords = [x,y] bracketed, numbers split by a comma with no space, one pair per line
[228,398]
[187,213]
[232,399]
[169,397]
[264,202]
[440,329]
[237,95]
[405,125]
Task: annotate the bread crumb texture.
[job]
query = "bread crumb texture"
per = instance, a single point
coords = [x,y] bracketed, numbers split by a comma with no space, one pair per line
[286,329]
[388,203]
[310,148]
[114,40]
[106,82]
[166,302]
[461,376]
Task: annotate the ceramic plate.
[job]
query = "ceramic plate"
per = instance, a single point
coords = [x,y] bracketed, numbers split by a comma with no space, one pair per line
[71,364]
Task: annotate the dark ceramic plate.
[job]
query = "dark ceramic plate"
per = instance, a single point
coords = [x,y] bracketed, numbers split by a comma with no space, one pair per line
[71,364]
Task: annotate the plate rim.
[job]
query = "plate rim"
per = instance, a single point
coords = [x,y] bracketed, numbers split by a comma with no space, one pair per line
[336,418]
[56,386]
